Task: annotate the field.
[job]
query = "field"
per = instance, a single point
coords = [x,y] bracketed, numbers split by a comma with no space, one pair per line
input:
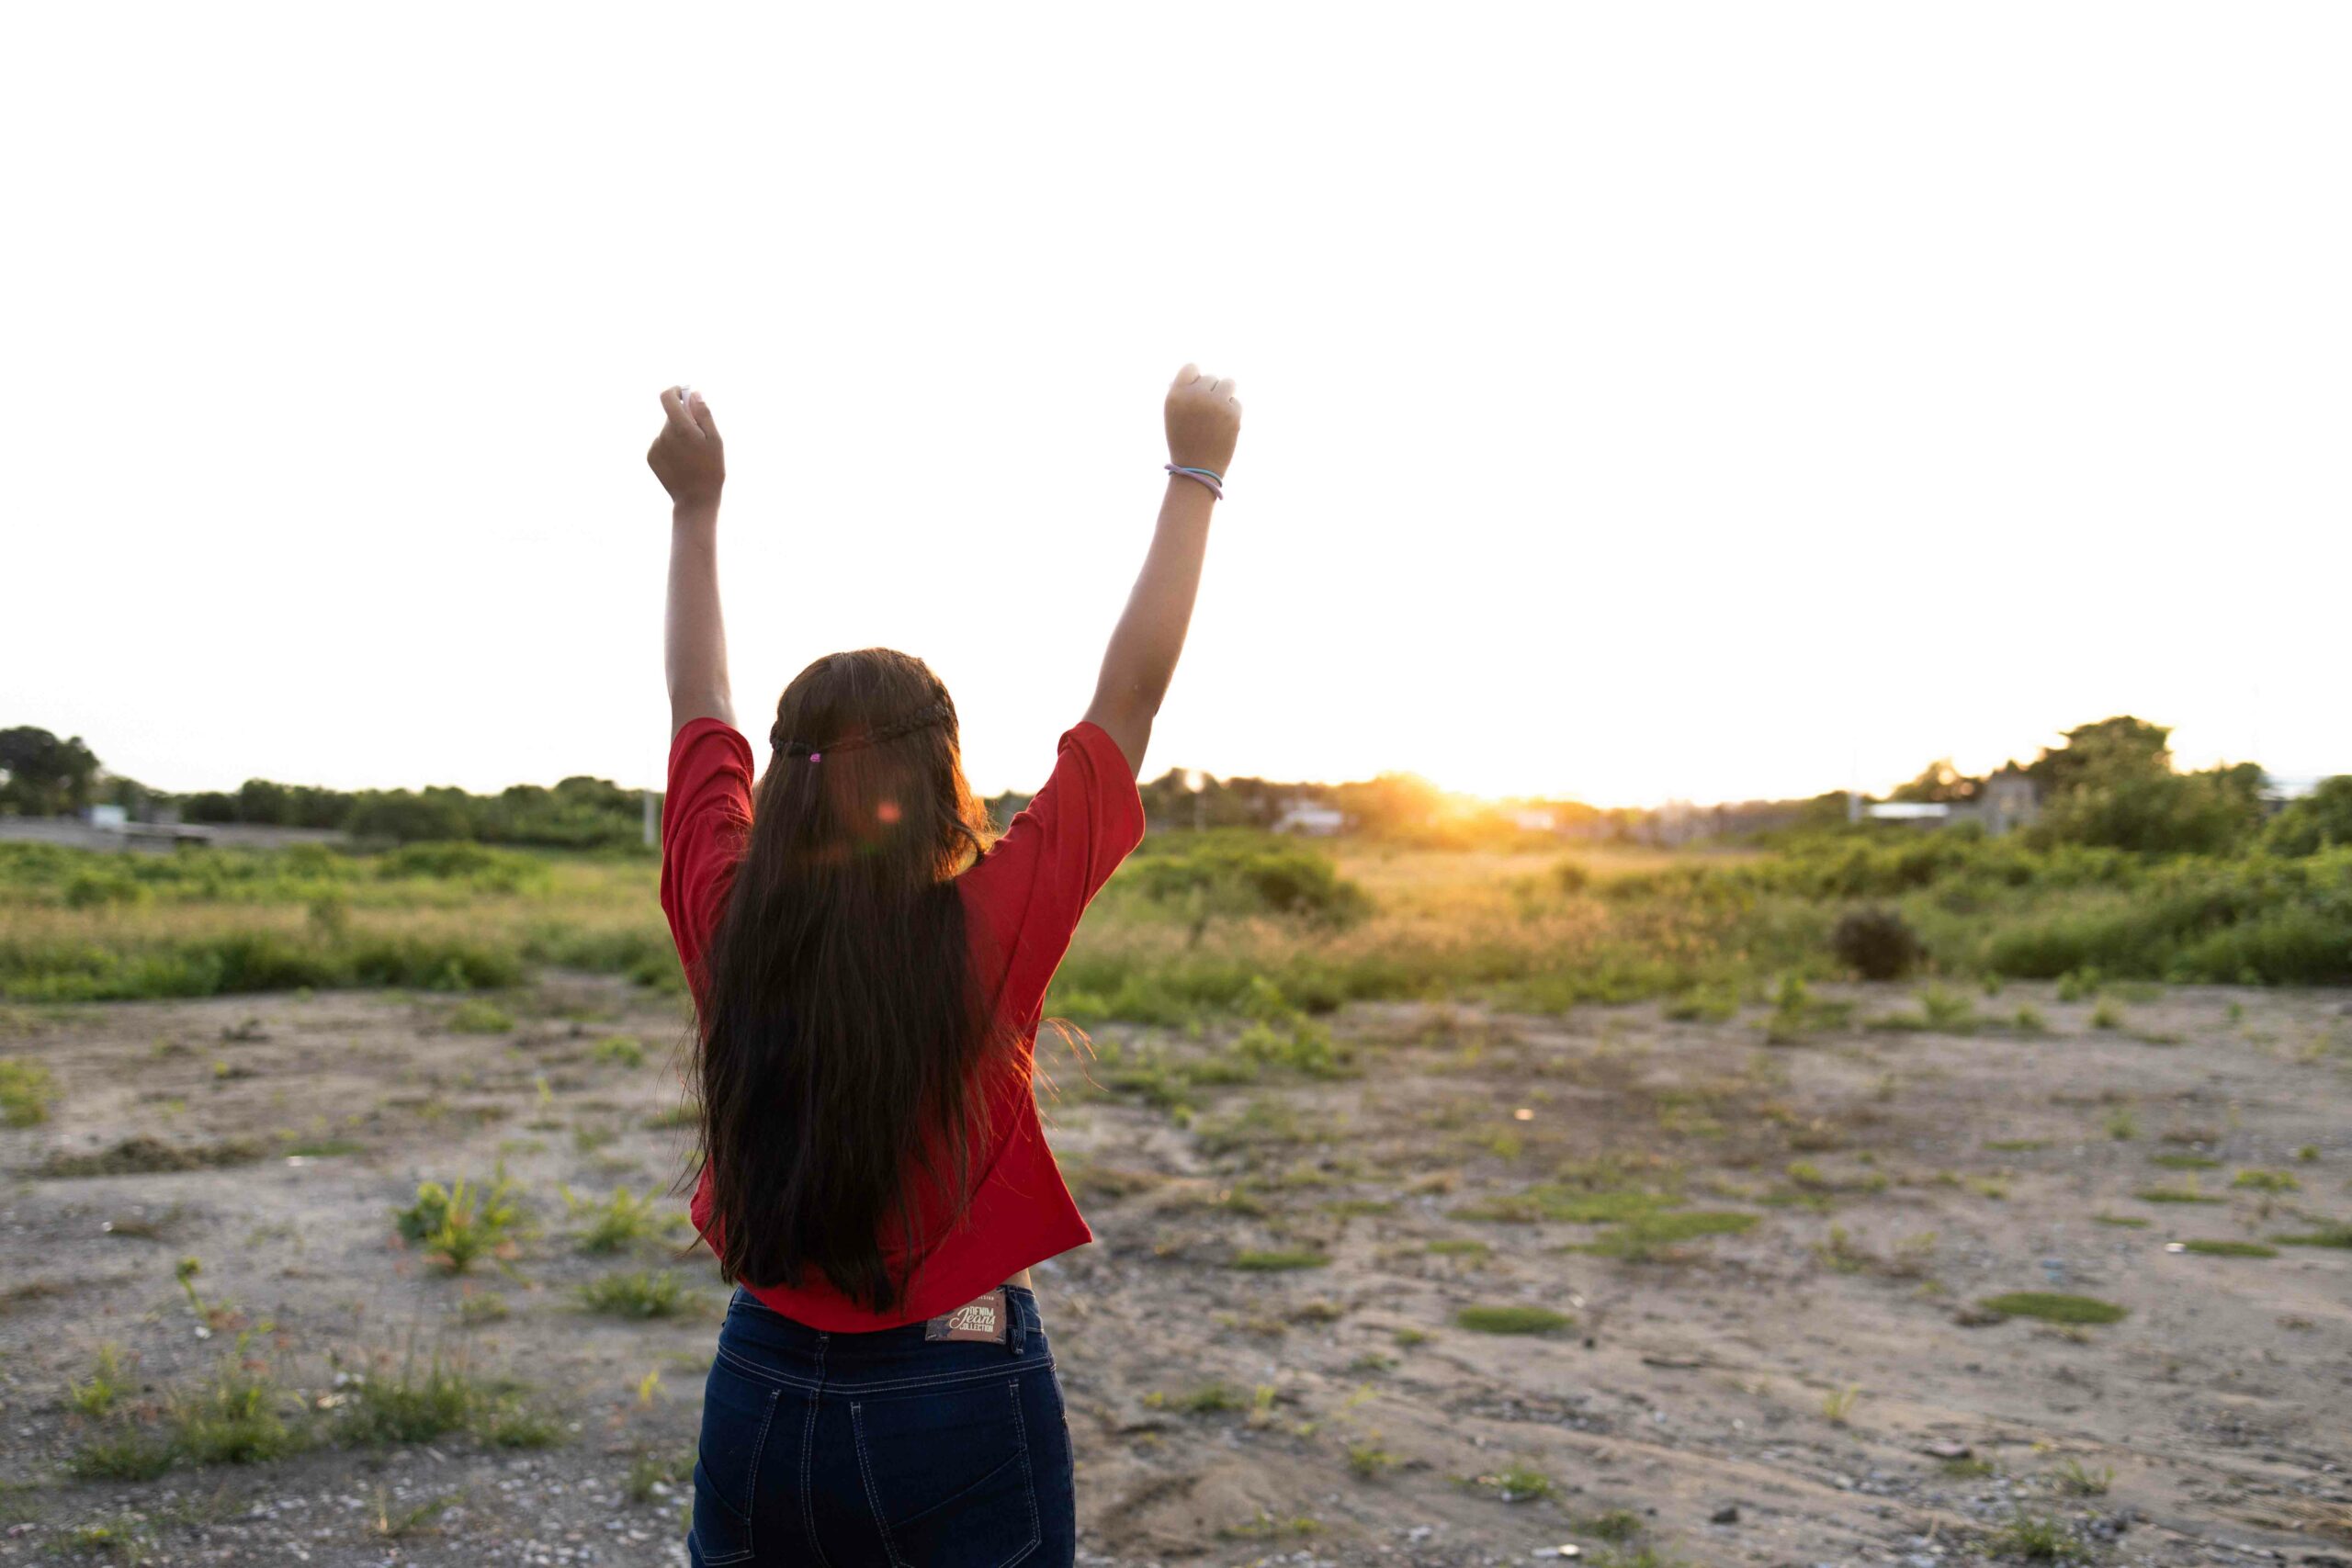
[1449,1210]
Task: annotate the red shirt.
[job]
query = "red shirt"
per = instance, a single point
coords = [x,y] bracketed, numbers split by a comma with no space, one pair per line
[1021,902]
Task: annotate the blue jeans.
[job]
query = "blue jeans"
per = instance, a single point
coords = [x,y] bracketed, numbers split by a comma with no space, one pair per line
[842,1450]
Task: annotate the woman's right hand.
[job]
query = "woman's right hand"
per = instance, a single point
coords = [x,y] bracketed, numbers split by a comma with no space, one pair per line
[1204,420]
[687,456]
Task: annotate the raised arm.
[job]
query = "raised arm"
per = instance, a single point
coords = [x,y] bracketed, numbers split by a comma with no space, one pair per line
[691,463]
[1204,421]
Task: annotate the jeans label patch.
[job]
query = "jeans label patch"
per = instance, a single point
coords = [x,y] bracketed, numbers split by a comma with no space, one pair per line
[981,1320]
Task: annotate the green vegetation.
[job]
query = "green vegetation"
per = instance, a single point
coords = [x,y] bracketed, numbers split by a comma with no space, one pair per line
[106,1385]
[475,1016]
[1652,1237]
[2333,1233]
[460,1224]
[2188,1194]
[2053,1308]
[27,1092]
[1275,1262]
[1517,1483]
[2135,874]
[620,1051]
[2230,1248]
[2036,1540]
[1511,1320]
[621,1221]
[643,1294]
[239,1416]
[1206,1400]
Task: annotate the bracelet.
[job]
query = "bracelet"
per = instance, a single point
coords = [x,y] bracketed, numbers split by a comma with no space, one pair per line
[1209,477]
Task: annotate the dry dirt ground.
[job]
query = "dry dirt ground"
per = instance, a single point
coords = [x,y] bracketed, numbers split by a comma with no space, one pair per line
[1820,1386]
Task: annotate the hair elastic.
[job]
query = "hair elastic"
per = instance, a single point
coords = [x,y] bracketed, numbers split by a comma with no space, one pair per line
[1209,477]
[905,724]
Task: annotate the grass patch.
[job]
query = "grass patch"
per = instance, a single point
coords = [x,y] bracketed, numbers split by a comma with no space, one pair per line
[618,1051]
[1277,1261]
[476,1016]
[1653,1235]
[2176,1195]
[2036,1540]
[2212,1248]
[1208,1399]
[109,1379]
[1517,1483]
[417,1405]
[238,1417]
[143,1156]
[26,1091]
[621,1221]
[1511,1320]
[2330,1234]
[133,1454]
[647,1293]
[2052,1307]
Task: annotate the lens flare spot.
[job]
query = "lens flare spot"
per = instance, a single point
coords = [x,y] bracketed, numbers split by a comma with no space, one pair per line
[887,811]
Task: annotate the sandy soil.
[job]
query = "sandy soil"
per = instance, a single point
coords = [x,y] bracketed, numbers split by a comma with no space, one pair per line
[1783,1394]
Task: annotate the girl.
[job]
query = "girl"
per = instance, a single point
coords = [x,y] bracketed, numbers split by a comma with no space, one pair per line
[868,973]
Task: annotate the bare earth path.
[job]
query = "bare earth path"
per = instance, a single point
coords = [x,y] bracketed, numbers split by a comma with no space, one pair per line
[1771,1356]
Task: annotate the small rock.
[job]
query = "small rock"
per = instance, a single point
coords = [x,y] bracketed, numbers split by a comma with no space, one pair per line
[1726,1515]
[1948,1448]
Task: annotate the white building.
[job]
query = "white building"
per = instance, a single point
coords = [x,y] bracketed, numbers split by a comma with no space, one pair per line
[1307,816]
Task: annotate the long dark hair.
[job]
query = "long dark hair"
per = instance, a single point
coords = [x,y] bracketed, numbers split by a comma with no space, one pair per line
[843,1040]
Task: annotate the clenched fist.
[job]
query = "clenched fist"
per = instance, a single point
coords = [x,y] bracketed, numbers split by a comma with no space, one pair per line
[687,456]
[1204,420]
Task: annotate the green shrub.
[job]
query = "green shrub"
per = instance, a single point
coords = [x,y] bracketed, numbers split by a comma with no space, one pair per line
[1875,943]
[2321,820]
[460,1224]
[1248,874]
[26,1091]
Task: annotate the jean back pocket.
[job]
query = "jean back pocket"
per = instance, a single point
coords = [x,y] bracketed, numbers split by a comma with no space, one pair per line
[946,1471]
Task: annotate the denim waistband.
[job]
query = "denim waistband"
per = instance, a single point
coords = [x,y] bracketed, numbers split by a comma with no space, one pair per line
[760,1340]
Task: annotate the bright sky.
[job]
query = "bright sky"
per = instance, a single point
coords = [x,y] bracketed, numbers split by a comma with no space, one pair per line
[1643,401]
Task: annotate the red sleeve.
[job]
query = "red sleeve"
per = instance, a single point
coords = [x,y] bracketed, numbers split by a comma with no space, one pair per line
[1034,884]
[703,818]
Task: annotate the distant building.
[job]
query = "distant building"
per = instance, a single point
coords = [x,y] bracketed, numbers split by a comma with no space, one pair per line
[2008,799]
[1310,818]
[1534,819]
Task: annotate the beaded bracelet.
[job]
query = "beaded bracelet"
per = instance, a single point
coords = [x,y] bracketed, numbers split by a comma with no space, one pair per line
[1209,477]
